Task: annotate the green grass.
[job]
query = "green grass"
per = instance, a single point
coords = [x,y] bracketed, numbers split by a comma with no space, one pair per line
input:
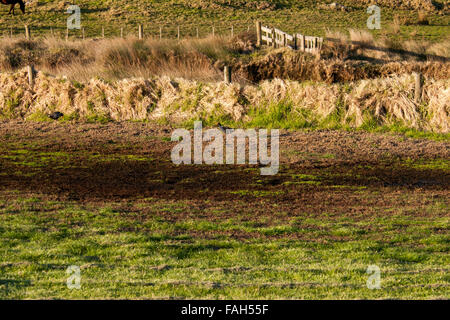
[124,254]
[440,164]
[284,115]
[281,114]
[411,132]
[156,248]
[36,160]
[291,15]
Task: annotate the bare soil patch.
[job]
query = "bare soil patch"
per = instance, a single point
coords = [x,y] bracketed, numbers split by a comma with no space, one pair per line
[321,171]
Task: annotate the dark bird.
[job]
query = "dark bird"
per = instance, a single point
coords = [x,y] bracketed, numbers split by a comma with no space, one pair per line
[13,4]
[55,115]
[223,128]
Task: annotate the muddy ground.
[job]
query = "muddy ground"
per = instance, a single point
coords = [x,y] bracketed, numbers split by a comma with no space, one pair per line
[337,172]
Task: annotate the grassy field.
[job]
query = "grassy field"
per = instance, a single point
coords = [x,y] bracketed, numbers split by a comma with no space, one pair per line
[126,254]
[140,227]
[364,177]
[292,16]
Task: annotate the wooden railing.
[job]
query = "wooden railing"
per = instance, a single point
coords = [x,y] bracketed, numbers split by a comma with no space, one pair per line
[278,38]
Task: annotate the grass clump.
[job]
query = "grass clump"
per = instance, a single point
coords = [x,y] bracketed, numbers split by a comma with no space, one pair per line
[281,114]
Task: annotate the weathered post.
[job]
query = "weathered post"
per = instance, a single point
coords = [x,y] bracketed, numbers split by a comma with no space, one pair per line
[178,33]
[27,32]
[302,43]
[160,33]
[213,32]
[232,31]
[197,33]
[83,33]
[30,71]
[227,74]
[141,32]
[258,34]
[284,40]
[121,32]
[418,87]
[103,32]
[67,34]
[294,36]
[274,38]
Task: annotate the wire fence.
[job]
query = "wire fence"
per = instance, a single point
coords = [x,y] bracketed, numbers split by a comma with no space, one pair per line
[140,31]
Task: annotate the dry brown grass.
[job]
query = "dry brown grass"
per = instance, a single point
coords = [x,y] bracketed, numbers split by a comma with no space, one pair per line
[203,59]
[397,23]
[422,18]
[119,58]
[360,44]
[387,100]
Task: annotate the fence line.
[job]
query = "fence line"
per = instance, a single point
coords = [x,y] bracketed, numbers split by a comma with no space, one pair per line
[277,38]
[270,36]
[140,31]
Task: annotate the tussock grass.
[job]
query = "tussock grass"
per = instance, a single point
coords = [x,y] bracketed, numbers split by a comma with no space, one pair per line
[277,103]
[361,44]
[203,59]
[119,58]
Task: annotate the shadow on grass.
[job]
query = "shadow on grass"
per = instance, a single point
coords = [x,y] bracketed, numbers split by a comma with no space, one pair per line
[9,286]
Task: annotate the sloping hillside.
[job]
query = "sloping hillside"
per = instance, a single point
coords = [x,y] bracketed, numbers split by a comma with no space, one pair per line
[306,16]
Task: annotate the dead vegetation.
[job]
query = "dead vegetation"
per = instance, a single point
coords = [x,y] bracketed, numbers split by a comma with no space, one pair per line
[344,58]
[286,64]
[361,45]
[357,80]
[384,101]
[118,58]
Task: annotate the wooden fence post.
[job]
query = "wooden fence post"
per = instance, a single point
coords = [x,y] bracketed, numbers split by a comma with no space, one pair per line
[258,34]
[302,42]
[140,32]
[27,32]
[227,74]
[160,33]
[67,34]
[30,71]
[232,31]
[418,87]
[178,33]
[103,32]
[213,32]
[197,32]
[284,40]
[294,36]
[274,38]
[83,33]
[121,32]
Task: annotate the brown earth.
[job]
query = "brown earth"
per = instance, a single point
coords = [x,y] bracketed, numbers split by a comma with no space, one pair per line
[345,173]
